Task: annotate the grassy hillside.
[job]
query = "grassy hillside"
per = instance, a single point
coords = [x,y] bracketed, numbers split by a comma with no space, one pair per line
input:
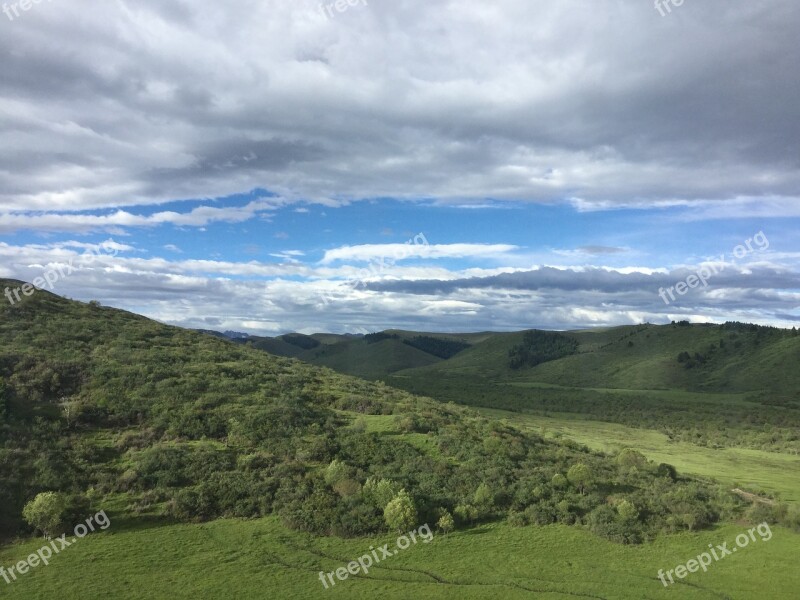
[229,470]
[105,406]
[373,356]
[716,386]
[732,358]
[733,385]
[369,361]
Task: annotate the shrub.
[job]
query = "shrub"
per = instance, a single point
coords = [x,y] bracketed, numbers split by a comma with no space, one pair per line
[400,514]
[46,512]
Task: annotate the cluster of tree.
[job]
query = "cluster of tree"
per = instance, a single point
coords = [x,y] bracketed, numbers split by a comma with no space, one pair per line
[306,342]
[759,424]
[54,513]
[374,338]
[691,361]
[441,348]
[194,427]
[541,346]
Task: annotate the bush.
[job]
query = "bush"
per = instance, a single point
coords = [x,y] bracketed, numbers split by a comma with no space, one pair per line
[446,523]
[400,514]
[517,519]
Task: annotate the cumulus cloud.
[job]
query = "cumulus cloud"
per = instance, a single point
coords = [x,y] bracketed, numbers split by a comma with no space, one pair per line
[111,110]
[268,298]
[373,252]
[84,223]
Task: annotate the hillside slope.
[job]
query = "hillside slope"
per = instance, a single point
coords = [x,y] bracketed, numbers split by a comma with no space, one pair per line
[154,422]
[372,356]
[732,358]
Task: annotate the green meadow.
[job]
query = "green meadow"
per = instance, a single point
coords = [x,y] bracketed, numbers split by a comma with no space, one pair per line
[753,470]
[262,559]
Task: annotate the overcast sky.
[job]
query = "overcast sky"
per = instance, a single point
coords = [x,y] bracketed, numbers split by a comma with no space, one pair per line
[278,165]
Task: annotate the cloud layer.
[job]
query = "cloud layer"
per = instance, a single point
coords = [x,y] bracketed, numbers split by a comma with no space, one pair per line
[112,113]
[115,104]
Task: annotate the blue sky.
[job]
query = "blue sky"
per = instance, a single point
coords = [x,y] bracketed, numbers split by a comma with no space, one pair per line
[293,265]
[562,170]
[654,238]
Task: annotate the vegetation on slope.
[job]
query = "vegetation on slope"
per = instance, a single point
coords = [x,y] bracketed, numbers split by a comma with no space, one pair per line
[741,389]
[441,348]
[538,347]
[107,405]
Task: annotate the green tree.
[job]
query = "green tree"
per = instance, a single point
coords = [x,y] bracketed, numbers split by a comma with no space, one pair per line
[400,514]
[631,458]
[484,498]
[627,510]
[466,513]
[45,512]
[337,471]
[379,492]
[446,523]
[580,476]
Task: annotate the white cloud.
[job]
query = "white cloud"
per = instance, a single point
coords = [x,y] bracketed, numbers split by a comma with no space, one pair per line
[376,252]
[83,223]
[269,298]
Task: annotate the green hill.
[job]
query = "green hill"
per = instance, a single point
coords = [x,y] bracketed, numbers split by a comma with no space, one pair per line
[714,385]
[732,358]
[732,385]
[217,458]
[373,356]
[370,361]
[111,409]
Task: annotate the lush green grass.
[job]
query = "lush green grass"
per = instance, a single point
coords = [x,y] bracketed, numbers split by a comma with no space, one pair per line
[261,559]
[710,419]
[752,470]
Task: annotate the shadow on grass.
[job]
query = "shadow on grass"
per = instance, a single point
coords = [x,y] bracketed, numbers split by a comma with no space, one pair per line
[120,523]
[476,531]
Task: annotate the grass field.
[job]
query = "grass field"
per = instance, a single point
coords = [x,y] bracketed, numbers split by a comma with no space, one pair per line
[261,559]
[750,469]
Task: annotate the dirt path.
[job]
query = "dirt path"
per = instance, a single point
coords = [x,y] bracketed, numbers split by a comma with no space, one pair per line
[753,497]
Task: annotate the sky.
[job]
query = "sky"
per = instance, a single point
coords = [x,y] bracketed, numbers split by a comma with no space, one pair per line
[272,166]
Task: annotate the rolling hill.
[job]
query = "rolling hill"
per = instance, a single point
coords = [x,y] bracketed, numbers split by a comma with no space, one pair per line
[731,358]
[731,385]
[104,406]
[204,451]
